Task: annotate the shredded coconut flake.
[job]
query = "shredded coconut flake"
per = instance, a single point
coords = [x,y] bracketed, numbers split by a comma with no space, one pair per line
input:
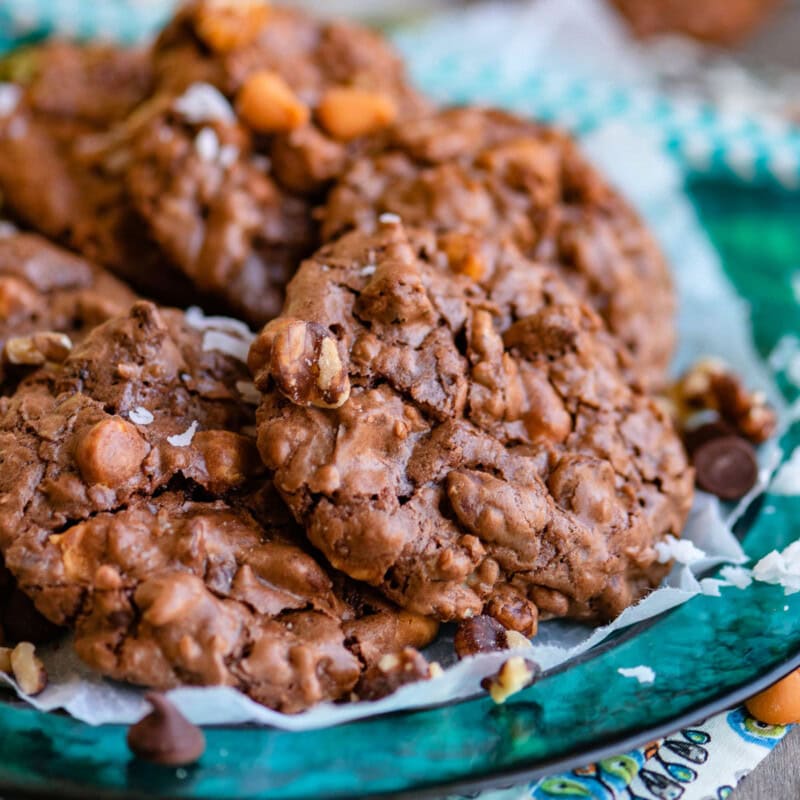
[388,218]
[10,95]
[711,586]
[368,270]
[228,154]
[201,102]
[787,479]
[681,550]
[248,391]
[781,569]
[642,674]
[206,144]
[184,439]
[225,343]
[740,577]
[140,416]
[199,321]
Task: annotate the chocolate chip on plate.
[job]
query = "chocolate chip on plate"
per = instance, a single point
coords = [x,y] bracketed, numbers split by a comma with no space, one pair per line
[165,736]
[696,437]
[726,467]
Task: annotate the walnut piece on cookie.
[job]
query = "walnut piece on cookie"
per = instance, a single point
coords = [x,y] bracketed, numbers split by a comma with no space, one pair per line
[490,456]
[135,512]
[49,300]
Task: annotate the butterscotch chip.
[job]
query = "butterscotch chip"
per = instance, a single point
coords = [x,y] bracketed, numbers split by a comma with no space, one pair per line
[225,25]
[464,254]
[111,452]
[347,113]
[175,564]
[267,104]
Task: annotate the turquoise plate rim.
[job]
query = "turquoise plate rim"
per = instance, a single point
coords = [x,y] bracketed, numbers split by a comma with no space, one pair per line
[44,754]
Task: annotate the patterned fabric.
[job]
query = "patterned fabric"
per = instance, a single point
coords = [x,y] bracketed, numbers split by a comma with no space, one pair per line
[515,55]
[471,66]
[115,20]
[700,763]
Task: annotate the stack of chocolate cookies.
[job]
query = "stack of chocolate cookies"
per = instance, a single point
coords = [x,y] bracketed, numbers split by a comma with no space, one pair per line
[448,413]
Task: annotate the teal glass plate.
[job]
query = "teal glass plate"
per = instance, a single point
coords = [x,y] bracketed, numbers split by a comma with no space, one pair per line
[708,654]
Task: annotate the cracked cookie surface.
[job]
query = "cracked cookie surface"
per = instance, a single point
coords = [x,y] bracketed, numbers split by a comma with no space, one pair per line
[477,174]
[49,300]
[465,445]
[128,513]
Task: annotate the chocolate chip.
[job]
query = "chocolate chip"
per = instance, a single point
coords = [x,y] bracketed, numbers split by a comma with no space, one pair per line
[696,437]
[165,736]
[480,634]
[23,623]
[726,467]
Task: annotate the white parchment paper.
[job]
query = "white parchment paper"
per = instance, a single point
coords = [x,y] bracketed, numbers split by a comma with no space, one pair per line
[713,321]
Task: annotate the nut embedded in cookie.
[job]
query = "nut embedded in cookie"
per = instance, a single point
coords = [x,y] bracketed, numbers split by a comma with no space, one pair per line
[478,177]
[490,455]
[167,554]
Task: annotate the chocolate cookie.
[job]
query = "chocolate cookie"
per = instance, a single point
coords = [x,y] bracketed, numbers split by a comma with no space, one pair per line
[49,135]
[311,87]
[466,445]
[127,514]
[211,204]
[720,21]
[49,300]
[474,174]
[228,193]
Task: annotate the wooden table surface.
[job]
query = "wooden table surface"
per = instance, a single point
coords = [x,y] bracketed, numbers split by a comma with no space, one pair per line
[777,777]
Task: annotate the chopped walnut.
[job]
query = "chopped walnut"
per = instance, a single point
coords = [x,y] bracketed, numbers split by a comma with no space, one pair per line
[393,671]
[710,385]
[37,348]
[484,634]
[515,675]
[27,668]
[305,360]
